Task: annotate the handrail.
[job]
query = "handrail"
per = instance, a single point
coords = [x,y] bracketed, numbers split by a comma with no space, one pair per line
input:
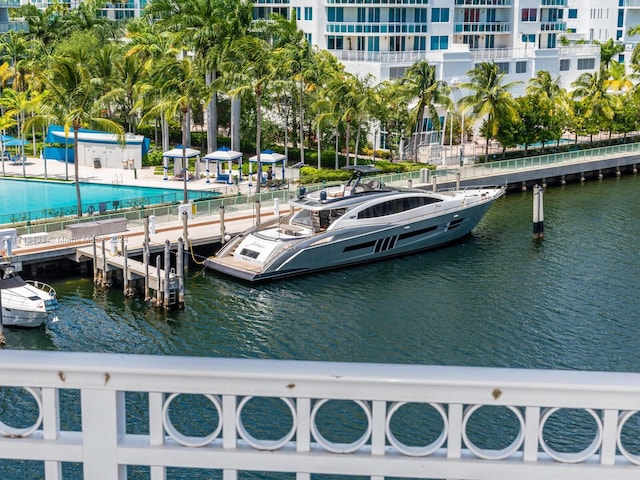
[272,416]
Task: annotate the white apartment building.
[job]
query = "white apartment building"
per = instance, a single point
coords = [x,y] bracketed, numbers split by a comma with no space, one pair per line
[385,37]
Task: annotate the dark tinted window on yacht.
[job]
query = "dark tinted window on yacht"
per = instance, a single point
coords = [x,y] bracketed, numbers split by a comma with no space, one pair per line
[397,205]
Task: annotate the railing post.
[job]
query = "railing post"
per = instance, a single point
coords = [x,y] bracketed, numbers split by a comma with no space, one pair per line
[103,424]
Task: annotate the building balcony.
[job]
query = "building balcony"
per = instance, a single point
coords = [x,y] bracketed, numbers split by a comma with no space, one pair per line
[483,3]
[483,27]
[14,27]
[375,28]
[9,3]
[554,3]
[382,3]
[553,26]
[632,3]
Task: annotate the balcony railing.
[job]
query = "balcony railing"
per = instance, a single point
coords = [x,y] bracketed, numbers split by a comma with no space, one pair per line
[315,418]
[14,26]
[553,26]
[375,28]
[484,3]
[483,27]
[554,3]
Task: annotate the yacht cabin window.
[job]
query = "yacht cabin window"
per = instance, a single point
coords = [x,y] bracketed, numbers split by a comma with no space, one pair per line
[397,205]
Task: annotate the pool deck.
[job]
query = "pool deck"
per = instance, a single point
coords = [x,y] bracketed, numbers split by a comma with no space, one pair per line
[203,230]
[145,177]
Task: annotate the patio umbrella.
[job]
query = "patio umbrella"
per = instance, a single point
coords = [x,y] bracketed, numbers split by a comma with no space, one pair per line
[14,142]
[224,154]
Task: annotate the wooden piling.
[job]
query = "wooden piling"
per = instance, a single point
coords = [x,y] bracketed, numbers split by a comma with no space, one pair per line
[257,207]
[458,181]
[104,263]
[145,260]
[159,289]
[95,261]
[434,183]
[167,269]
[180,272]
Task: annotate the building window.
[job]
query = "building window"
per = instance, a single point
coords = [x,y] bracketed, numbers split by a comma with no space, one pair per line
[308,37]
[621,58]
[420,43]
[297,10]
[374,15]
[439,42]
[308,13]
[573,13]
[335,42]
[586,63]
[440,15]
[521,67]
[529,38]
[503,67]
[362,15]
[335,14]
[420,15]
[529,15]
[565,65]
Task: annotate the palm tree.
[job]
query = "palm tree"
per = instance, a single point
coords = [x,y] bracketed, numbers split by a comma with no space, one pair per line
[19,104]
[207,27]
[71,100]
[421,82]
[553,100]
[350,102]
[490,98]
[597,105]
[249,66]
[180,87]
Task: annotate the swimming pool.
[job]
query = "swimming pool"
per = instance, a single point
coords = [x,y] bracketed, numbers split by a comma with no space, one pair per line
[22,200]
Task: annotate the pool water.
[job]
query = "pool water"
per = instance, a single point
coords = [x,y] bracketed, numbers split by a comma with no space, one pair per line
[22,200]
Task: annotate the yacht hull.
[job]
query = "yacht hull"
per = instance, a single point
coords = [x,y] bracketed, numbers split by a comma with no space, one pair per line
[359,244]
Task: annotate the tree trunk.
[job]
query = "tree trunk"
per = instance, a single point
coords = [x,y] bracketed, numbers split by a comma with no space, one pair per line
[76,169]
[235,124]
[212,115]
[258,133]
[301,123]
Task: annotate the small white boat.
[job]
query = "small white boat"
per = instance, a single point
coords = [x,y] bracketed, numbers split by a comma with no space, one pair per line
[25,303]
[359,222]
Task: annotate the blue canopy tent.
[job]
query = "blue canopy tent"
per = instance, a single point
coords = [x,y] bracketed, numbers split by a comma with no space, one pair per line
[224,154]
[270,157]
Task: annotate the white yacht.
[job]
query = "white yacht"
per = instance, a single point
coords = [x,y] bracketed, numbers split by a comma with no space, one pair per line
[25,303]
[358,222]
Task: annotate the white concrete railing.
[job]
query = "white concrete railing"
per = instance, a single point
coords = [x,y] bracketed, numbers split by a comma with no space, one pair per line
[528,400]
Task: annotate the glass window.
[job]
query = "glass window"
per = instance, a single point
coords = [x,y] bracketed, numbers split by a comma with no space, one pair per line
[573,13]
[308,13]
[335,42]
[503,67]
[440,15]
[439,42]
[586,63]
[521,67]
[565,65]
[529,15]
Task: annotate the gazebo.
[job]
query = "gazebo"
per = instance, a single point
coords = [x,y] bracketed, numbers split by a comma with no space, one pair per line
[177,155]
[224,154]
[270,157]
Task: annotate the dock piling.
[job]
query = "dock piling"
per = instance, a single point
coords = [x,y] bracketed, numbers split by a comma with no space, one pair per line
[538,213]
[222,227]
[167,265]
[158,290]
[257,206]
[180,272]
